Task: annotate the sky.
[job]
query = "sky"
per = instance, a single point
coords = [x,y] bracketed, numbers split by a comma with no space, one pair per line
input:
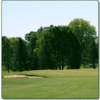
[21,17]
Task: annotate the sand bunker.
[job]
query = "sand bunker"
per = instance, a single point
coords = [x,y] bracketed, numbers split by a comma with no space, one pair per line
[12,76]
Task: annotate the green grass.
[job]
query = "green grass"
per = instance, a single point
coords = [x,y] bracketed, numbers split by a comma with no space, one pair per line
[82,83]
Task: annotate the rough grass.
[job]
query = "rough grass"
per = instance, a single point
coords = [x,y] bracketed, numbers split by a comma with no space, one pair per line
[82,83]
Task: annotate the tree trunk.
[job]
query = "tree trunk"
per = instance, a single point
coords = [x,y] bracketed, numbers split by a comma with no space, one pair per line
[8,67]
[62,66]
[62,63]
[94,66]
[59,67]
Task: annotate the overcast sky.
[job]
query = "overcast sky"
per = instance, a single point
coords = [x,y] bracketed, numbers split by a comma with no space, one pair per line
[21,17]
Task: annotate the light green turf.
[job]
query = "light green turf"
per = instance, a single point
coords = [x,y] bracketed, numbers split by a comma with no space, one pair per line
[82,83]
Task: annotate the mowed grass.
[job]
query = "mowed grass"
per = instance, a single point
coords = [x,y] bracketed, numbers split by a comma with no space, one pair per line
[82,83]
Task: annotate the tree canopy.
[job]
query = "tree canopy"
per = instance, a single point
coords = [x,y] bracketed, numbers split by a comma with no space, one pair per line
[52,47]
[84,32]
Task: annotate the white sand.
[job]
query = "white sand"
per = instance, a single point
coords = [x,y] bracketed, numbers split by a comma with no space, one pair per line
[12,76]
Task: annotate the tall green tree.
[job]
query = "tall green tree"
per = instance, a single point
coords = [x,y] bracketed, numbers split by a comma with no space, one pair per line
[55,45]
[31,45]
[67,47]
[45,52]
[14,53]
[84,32]
[74,57]
[19,54]
[22,55]
[93,54]
[6,53]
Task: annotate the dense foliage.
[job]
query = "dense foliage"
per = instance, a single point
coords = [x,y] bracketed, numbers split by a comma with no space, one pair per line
[52,47]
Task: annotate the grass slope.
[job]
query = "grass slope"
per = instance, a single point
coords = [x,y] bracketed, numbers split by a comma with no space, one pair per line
[81,83]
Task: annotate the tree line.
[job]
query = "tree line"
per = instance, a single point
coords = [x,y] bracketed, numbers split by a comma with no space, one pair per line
[52,47]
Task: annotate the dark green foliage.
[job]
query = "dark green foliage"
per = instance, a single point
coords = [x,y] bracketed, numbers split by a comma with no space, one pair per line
[6,53]
[93,54]
[31,45]
[21,55]
[74,57]
[52,47]
[15,51]
[45,52]
[84,33]
[58,45]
